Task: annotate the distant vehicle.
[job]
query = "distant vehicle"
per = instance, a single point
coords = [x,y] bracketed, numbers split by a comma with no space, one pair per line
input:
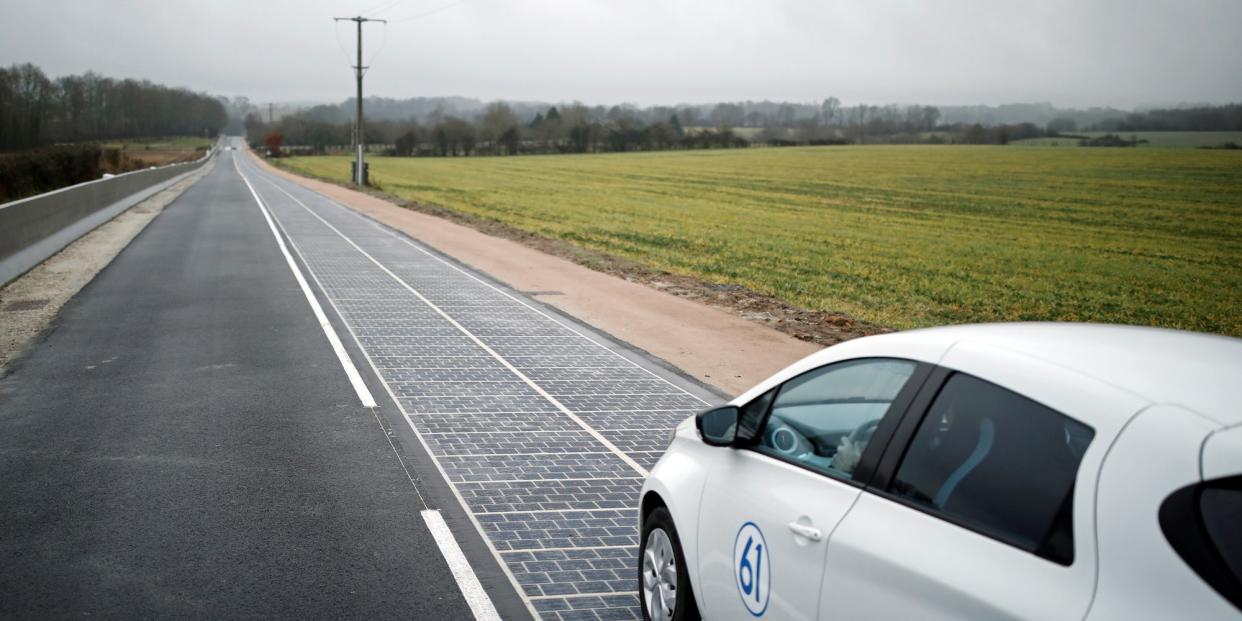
[1034,471]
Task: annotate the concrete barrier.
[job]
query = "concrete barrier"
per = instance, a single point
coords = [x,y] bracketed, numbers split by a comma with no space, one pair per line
[35,228]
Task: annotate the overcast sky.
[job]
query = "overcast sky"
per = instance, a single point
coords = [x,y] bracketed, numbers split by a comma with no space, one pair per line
[1070,52]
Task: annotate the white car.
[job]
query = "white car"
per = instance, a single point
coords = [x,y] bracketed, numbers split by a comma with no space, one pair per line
[1009,471]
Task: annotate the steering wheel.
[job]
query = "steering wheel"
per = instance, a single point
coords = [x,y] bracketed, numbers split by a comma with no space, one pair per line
[861,434]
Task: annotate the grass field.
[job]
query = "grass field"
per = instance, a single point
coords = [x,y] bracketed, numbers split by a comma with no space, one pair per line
[903,236]
[1179,140]
[159,151]
[165,143]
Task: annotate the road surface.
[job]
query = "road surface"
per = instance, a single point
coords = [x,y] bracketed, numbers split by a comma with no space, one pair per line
[195,438]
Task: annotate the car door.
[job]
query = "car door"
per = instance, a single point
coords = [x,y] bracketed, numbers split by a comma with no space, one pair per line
[769,507]
[981,507]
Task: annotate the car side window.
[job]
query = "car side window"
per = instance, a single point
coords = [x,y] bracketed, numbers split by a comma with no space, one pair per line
[998,463]
[824,419]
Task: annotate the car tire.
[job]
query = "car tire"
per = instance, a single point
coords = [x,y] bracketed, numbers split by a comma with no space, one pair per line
[654,579]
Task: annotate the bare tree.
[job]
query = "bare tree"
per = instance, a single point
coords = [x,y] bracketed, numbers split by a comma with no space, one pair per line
[829,110]
[497,119]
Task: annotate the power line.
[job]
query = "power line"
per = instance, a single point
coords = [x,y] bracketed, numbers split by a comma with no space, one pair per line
[387,5]
[359,71]
[337,29]
[428,13]
[383,42]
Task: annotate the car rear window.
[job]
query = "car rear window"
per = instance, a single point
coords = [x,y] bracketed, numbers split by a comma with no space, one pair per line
[998,463]
[1220,504]
[1203,522]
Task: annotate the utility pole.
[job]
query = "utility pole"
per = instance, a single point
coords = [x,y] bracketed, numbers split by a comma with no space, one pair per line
[269,113]
[359,166]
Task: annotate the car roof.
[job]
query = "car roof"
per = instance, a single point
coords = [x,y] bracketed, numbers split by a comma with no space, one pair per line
[1199,372]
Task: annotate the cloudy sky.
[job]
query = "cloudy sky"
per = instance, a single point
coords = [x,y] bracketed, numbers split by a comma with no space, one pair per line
[1070,52]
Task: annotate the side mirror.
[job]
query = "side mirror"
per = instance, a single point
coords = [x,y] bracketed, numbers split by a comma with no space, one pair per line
[718,426]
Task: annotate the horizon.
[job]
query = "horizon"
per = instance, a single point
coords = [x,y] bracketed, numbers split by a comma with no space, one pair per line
[1105,53]
[679,104]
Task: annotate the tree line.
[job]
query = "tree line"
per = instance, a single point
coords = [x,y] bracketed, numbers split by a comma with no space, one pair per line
[497,130]
[504,128]
[1193,119]
[36,110]
[500,129]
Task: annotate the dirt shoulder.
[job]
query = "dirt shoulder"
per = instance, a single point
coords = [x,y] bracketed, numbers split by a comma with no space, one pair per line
[30,304]
[726,336]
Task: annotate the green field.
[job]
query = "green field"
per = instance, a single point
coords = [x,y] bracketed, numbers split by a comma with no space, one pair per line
[1178,140]
[903,236]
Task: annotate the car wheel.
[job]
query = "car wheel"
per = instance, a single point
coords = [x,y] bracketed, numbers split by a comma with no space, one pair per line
[663,583]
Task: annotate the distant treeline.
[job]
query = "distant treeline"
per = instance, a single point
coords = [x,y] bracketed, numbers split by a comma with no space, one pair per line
[1227,118]
[754,114]
[497,131]
[502,128]
[37,111]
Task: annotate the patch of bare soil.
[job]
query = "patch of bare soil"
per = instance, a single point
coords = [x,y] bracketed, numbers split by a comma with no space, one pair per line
[819,327]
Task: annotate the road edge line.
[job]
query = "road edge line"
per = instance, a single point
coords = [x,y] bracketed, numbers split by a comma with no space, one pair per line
[351,371]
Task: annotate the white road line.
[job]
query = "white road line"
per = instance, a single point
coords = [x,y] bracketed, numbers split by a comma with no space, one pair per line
[471,382]
[504,567]
[488,285]
[387,356]
[416,363]
[480,604]
[537,388]
[539,432]
[478,412]
[551,511]
[573,595]
[564,549]
[360,387]
[511,455]
[490,481]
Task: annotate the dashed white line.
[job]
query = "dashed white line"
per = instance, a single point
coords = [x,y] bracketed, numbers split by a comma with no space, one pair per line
[480,604]
[481,311]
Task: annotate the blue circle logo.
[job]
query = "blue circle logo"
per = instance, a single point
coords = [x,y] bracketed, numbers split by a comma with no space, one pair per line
[752,571]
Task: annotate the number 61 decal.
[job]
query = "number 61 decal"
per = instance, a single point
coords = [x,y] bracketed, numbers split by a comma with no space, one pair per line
[753,574]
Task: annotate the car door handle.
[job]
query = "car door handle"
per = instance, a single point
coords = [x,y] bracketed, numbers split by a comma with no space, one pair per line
[805,530]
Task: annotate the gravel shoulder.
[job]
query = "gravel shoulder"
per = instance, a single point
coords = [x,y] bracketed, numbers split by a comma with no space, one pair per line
[30,304]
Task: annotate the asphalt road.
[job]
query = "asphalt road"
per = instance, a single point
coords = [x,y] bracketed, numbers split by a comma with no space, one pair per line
[187,442]
[185,445]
